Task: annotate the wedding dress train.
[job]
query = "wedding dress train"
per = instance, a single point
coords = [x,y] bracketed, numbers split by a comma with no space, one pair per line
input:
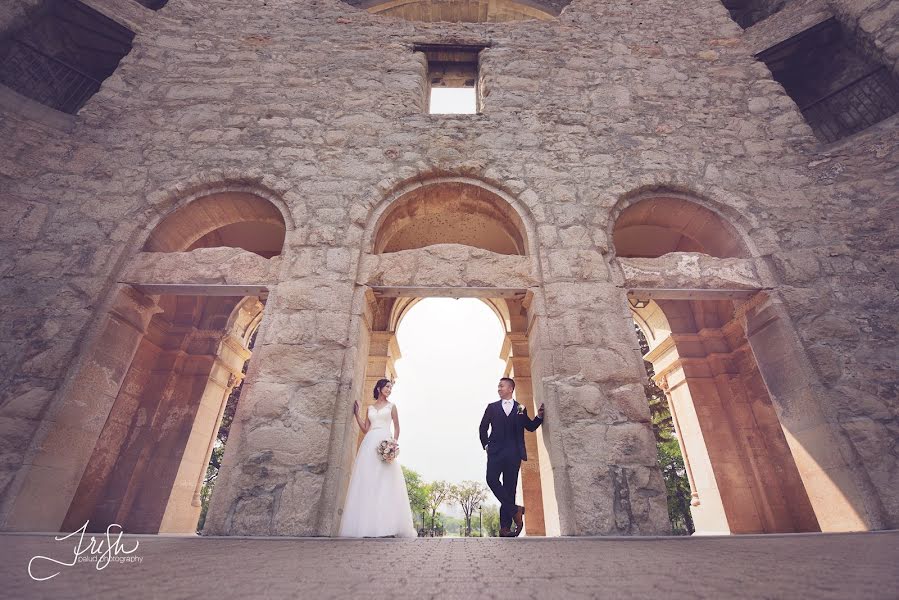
[377,504]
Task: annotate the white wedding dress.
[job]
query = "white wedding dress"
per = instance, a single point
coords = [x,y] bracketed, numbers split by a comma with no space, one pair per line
[377,504]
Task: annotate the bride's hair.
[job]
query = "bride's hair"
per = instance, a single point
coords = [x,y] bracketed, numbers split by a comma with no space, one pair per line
[379,386]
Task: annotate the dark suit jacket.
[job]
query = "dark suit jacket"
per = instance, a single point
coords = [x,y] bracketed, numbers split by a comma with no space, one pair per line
[501,435]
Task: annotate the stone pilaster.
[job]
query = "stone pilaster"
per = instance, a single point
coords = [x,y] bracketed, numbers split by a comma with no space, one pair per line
[69,435]
[518,366]
[607,475]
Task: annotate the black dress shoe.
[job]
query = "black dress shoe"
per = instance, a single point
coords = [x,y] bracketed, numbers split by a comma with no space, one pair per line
[519,517]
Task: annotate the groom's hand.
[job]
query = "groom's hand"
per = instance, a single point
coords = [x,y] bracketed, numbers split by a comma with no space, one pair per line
[540,411]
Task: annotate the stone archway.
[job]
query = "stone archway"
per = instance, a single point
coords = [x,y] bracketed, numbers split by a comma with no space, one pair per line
[659,224]
[453,237]
[132,439]
[512,312]
[723,350]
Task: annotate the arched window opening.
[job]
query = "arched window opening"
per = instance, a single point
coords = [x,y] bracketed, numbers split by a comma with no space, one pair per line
[451,213]
[707,394]
[668,446]
[231,219]
[656,226]
[149,465]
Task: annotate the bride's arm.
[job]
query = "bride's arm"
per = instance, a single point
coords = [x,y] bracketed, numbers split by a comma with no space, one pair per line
[363,425]
[396,423]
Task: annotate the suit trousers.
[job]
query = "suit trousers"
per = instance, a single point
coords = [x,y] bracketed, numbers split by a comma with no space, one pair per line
[505,463]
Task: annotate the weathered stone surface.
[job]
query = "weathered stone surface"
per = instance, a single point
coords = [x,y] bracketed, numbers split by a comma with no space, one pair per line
[447,265]
[581,114]
[232,266]
[690,270]
[793,19]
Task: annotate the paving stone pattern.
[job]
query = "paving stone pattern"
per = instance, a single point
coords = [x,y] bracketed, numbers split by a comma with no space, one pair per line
[838,566]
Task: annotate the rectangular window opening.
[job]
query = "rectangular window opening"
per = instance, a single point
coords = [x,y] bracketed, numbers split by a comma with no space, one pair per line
[63,55]
[839,90]
[452,83]
[153,4]
[747,13]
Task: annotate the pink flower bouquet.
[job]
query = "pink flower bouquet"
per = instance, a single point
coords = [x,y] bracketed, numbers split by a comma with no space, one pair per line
[388,450]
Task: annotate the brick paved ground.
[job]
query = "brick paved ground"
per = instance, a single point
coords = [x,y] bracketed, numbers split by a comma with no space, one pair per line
[841,566]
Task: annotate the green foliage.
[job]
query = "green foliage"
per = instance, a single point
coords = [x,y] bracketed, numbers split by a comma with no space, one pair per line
[453,527]
[671,462]
[469,495]
[677,487]
[436,493]
[490,519]
[417,491]
[218,448]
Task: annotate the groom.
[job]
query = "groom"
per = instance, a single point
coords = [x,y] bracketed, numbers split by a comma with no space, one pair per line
[507,421]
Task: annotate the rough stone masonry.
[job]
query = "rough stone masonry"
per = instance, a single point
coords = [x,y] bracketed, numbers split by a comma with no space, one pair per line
[319,108]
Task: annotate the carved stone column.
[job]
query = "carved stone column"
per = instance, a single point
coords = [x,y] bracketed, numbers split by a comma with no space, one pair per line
[518,365]
[736,457]
[183,508]
[382,356]
[710,515]
[662,382]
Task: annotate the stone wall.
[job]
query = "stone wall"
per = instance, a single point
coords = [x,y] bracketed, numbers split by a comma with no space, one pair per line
[873,24]
[319,103]
[850,332]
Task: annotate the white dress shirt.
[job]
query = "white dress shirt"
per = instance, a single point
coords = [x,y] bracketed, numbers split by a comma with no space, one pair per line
[507,406]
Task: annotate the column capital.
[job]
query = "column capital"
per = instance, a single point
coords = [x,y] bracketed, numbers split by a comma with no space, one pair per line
[134,308]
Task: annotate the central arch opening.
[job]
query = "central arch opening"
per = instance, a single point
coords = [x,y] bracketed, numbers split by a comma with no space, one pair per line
[446,312]
[446,356]
[447,374]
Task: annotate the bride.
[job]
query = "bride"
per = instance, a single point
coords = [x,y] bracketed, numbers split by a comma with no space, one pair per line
[376,501]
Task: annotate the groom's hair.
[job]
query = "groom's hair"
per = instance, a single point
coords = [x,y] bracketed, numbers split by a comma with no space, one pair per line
[510,380]
[379,386]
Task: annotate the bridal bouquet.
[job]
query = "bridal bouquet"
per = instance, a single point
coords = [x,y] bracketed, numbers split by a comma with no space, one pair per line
[388,450]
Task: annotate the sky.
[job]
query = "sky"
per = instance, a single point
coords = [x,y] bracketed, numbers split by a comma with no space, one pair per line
[453,101]
[447,375]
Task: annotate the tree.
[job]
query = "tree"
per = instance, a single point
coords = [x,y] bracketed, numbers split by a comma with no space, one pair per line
[417,492]
[677,486]
[438,525]
[490,519]
[438,492]
[218,448]
[452,525]
[469,495]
